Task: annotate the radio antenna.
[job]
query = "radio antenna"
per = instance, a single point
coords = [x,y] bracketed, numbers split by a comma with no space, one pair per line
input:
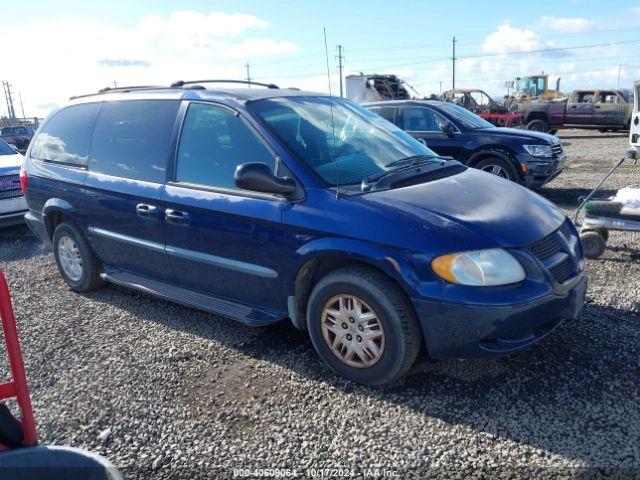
[333,127]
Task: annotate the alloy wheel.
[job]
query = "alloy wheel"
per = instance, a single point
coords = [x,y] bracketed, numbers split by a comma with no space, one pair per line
[70,258]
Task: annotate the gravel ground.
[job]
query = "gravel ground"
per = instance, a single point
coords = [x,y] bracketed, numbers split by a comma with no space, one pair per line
[164,391]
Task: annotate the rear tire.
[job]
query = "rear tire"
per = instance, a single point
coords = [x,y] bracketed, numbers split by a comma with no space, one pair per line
[593,243]
[500,167]
[76,261]
[538,126]
[375,308]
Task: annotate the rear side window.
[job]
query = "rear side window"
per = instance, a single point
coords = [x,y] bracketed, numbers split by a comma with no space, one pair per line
[131,139]
[66,136]
[384,112]
[213,142]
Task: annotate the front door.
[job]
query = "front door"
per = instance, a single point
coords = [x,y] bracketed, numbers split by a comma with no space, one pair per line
[580,108]
[425,124]
[221,240]
[126,174]
[610,109]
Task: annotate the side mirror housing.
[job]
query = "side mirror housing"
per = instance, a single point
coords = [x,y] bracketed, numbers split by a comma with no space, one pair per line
[259,177]
[447,129]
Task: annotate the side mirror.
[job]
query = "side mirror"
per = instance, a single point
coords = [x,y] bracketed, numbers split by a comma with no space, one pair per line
[259,177]
[447,129]
[422,141]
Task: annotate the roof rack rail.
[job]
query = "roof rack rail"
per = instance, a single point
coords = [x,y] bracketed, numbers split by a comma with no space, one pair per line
[118,89]
[181,83]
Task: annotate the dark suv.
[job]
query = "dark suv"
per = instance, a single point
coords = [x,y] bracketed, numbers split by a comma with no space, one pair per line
[530,158]
[18,135]
[266,204]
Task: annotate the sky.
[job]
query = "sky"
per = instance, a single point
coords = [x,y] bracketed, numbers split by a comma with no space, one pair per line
[67,47]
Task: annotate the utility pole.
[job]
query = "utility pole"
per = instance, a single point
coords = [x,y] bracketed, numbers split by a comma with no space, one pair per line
[247,66]
[21,106]
[618,81]
[440,86]
[340,58]
[453,62]
[7,96]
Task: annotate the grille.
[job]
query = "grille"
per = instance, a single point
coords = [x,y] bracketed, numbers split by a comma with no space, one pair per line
[562,271]
[565,230]
[556,148]
[10,186]
[551,245]
[545,248]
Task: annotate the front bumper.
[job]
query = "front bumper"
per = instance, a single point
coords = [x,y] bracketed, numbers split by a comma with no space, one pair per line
[540,171]
[458,330]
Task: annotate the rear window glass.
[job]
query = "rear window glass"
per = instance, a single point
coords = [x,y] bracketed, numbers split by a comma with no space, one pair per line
[66,136]
[131,139]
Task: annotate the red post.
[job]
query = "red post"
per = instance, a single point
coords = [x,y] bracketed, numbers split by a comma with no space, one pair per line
[16,363]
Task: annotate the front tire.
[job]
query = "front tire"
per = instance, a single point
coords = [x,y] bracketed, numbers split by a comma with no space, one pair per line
[76,261]
[498,166]
[362,326]
[538,126]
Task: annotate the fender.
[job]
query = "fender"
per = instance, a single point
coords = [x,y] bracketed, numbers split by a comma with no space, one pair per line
[395,264]
[490,151]
[53,206]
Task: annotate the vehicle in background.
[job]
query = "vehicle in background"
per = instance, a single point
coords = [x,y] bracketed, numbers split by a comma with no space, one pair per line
[18,135]
[634,124]
[267,204]
[373,88]
[530,158]
[604,110]
[480,103]
[12,204]
[533,87]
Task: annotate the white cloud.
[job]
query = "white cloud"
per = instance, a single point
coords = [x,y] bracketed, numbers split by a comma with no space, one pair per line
[508,39]
[569,25]
[69,57]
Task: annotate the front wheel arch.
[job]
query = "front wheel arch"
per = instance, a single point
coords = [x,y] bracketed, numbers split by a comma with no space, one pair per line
[481,155]
[314,270]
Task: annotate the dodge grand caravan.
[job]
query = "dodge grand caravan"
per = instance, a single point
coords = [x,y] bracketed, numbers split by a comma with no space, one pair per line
[267,204]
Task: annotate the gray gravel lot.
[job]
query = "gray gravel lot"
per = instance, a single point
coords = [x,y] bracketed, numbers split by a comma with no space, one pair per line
[177,393]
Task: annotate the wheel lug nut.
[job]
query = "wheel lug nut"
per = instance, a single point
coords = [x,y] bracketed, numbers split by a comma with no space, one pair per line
[349,337]
[361,328]
[359,338]
[344,325]
[351,320]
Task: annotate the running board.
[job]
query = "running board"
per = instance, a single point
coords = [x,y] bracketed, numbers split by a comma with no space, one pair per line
[200,301]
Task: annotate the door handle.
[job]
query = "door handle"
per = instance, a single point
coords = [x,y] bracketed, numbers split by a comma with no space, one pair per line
[596,106]
[146,211]
[177,217]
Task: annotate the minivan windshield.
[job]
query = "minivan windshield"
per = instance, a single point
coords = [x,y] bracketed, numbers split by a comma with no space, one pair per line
[341,141]
[465,117]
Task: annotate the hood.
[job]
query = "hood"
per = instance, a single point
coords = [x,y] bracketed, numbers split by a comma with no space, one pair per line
[10,164]
[524,135]
[485,205]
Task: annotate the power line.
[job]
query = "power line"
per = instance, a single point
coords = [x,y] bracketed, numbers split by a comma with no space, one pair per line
[453,63]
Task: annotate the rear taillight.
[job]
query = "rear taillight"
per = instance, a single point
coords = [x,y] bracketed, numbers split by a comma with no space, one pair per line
[23,180]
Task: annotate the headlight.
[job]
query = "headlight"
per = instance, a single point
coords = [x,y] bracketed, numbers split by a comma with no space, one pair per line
[479,268]
[539,150]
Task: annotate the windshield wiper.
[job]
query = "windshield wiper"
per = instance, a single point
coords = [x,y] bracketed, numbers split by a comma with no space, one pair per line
[402,164]
[412,160]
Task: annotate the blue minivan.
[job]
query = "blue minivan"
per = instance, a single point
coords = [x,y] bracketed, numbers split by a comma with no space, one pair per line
[262,204]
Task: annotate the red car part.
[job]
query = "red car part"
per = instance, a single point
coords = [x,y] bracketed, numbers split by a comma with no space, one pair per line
[17,387]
